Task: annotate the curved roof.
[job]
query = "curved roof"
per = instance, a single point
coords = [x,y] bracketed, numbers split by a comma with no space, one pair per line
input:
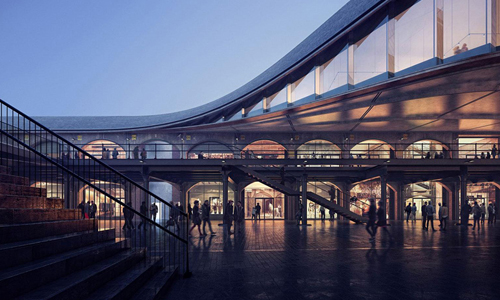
[207,113]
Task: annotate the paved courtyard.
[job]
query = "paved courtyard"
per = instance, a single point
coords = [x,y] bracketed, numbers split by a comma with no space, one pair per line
[334,260]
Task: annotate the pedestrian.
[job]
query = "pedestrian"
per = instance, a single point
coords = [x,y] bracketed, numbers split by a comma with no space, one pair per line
[322,212]
[87,210]
[196,220]
[239,216]
[476,213]
[414,212]
[144,153]
[143,210]
[229,216]
[254,213]
[494,212]
[408,212]
[115,153]
[424,215]
[443,216]
[298,215]
[332,214]
[154,211]
[382,220]
[465,212]
[205,216]
[494,151]
[81,206]
[93,209]
[370,225]
[128,215]
[200,155]
[190,211]
[431,211]
[174,216]
[136,152]
[483,213]
[258,210]
[490,213]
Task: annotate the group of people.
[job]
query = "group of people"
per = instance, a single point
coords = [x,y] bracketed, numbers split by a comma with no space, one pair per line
[231,214]
[137,151]
[88,209]
[479,214]
[106,153]
[256,212]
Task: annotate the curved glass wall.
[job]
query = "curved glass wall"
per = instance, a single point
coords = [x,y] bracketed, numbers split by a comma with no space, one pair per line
[160,150]
[275,99]
[210,150]
[370,55]
[264,149]
[464,25]
[303,87]
[105,206]
[334,73]
[414,35]
[211,191]
[272,202]
[103,149]
[371,149]
[426,149]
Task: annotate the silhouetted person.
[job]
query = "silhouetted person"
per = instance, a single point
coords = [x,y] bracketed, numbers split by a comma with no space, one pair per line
[298,214]
[258,208]
[332,214]
[483,156]
[464,48]
[93,209]
[322,213]
[443,215]
[143,210]
[408,212]
[174,215]
[228,216]
[128,215]
[115,153]
[154,211]
[428,155]
[200,155]
[476,213]
[372,216]
[144,153]
[491,210]
[136,152]
[483,213]
[382,219]
[81,206]
[239,216]
[87,210]
[431,212]
[494,151]
[205,217]
[488,155]
[414,212]
[196,220]
[424,215]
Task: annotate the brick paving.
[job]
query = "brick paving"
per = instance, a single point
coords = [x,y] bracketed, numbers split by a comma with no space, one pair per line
[334,260]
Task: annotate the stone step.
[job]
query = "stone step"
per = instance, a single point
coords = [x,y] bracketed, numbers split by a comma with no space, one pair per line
[125,285]
[23,232]
[14,254]
[30,202]
[22,215]
[21,279]
[7,189]
[82,283]
[157,287]
[12,179]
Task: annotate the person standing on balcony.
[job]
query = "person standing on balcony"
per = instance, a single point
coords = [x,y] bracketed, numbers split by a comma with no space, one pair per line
[144,153]
[136,152]
[144,211]
[154,211]
[81,206]
[115,153]
[494,151]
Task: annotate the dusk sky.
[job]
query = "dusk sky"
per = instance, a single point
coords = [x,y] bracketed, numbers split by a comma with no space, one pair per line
[98,57]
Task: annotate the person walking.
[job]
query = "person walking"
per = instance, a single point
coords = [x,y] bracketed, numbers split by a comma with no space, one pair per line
[414,212]
[174,216]
[476,213]
[382,220]
[322,212]
[154,211]
[229,216]
[431,211]
[424,215]
[81,206]
[372,216]
[494,212]
[205,217]
[254,213]
[408,212]
[196,220]
[143,210]
[128,215]
[258,210]
[483,213]
[93,209]
[239,216]
[443,216]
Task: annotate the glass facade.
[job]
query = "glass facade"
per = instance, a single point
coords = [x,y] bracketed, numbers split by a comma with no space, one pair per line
[325,190]
[334,73]
[211,191]
[264,149]
[476,148]
[414,35]
[275,99]
[422,192]
[370,55]
[464,25]
[103,149]
[105,206]
[425,149]
[318,149]
[372,149]
[272,202]
[160,150]
[303,87]
[360,194]
[210,151]
[482,193]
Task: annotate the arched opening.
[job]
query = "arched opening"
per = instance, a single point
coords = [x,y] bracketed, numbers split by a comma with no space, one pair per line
[372,149]
[426,149]
[271,201]
[420,193]
[318,149]
[484,193]
[51,149]
[105,149]
[477,147]
[265,149]
[361,192]
[211,191]
[210,150]
[326,190]
[158,149]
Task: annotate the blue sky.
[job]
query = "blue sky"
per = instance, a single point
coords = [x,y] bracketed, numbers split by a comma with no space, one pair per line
[99,57]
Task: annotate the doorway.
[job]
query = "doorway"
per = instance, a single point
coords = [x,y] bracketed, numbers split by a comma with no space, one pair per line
[418,202]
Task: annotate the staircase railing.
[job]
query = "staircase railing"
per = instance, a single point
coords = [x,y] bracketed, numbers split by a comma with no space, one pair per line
[109,198]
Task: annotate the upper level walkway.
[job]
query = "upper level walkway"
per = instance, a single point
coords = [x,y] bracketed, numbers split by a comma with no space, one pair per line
[334,260]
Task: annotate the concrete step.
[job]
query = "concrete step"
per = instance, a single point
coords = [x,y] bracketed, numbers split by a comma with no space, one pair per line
[125,285]
[30,202]
[81,284]
[21,279]
[12,179]
[14,254]
[7,189]
[23,232]
[157,287]
[22,215]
